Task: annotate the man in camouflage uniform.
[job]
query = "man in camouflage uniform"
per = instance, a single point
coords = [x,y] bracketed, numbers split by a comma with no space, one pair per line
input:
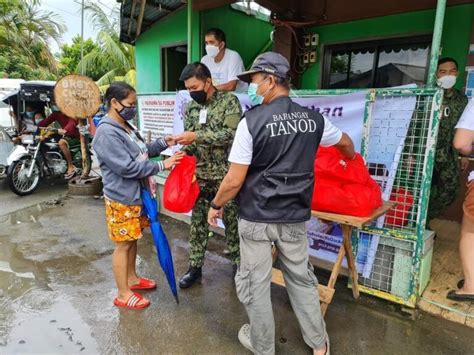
[210,123]
[445,183]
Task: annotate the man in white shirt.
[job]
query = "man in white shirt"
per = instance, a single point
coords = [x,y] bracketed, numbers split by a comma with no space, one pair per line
[463,141]
[224,63]
[272,175]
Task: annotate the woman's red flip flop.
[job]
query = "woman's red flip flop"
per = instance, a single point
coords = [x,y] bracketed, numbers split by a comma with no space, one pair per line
[144,284]
[133,302]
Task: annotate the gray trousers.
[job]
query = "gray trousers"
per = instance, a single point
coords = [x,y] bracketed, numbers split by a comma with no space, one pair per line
[253,281]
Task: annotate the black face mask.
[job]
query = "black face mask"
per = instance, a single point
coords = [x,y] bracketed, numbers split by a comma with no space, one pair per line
[199,96]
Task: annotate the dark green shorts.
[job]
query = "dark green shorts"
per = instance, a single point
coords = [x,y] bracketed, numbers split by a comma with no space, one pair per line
[71,141]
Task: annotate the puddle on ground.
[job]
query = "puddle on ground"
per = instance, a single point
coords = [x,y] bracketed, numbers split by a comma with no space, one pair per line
[46,323]
[27,215]
[33,317]
[17,274]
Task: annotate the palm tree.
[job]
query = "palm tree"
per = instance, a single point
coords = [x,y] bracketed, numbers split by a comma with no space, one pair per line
[39,28]
[26,29]
[7,10]
[118,57]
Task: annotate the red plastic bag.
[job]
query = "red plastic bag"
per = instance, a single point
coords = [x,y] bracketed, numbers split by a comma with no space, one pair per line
[344,186]
[331,164]
[181,188]
[348,199]
[398,216]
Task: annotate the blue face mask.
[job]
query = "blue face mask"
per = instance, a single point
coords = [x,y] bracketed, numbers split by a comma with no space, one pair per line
[128,112]
[29,114]
[255,98]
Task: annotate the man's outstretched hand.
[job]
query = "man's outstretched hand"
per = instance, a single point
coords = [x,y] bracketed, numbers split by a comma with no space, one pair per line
[170,140]
[185,138]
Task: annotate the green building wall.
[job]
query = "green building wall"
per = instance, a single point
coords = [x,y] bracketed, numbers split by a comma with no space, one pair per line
[245,34]
[455,39]
[172,30]
[249,36]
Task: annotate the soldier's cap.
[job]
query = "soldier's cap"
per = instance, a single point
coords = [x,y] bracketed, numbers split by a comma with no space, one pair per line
[270,63]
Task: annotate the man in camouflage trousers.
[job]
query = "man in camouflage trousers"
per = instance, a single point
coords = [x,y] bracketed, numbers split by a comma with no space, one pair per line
[445,183]
[210,123]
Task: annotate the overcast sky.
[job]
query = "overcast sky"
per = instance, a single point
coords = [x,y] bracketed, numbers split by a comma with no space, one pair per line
[70,12]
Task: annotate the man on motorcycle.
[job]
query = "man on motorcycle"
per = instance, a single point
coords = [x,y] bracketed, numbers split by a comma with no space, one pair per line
[70,136]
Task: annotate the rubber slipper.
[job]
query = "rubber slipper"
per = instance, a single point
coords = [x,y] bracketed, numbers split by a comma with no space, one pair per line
[452,295]
[460,283]
[144,284]
[71,174]
[133,302]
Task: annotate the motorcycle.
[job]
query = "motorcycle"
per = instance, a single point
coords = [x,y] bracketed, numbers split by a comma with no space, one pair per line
[35,158]
[20,94]
[6,146]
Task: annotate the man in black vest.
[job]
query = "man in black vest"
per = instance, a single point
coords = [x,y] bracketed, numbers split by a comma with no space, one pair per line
[271,173]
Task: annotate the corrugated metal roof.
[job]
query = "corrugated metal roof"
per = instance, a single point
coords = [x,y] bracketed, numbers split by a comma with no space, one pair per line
[154,10]
[309,13]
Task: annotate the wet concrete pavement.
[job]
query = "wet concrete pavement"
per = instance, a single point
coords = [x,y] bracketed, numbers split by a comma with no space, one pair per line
[48,189]
[56,291]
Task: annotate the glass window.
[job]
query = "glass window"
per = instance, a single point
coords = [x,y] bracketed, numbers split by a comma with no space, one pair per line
[377,64]
[361,65]
[339,70]
[401,65]
[351,69]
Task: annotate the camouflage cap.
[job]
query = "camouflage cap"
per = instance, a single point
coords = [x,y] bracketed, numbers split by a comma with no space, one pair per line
[270,63]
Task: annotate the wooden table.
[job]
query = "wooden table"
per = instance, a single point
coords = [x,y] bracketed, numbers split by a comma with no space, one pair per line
[347,223]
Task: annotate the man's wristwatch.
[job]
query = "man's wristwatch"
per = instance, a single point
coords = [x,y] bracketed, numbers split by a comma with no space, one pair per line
[214,206]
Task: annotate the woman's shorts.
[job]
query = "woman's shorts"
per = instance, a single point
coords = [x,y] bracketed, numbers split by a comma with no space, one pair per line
[468,205]
[125,222]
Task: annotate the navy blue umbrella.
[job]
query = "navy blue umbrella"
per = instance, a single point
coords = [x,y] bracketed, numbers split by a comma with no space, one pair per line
[159,238]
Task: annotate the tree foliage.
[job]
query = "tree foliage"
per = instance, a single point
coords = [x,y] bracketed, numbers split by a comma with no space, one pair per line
[25,31]
[70,57]
[117,57]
